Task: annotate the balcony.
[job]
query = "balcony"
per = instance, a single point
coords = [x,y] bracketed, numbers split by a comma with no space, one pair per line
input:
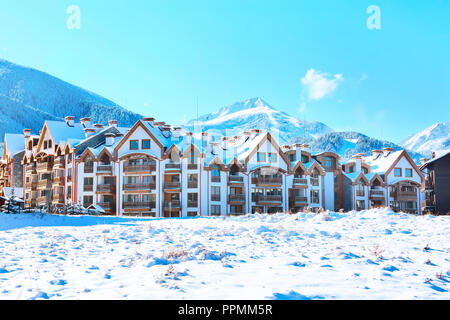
[215,197]
[139,168]
[110,188]
[404,195]
[267,199]
[139,205]
[429,185]
[300,200]
[267,181]
[31,185]
[300,182]
[176,166]
[192,166]
[107,206]
[104,169]
[172,185]
[88,188]
[192,204]
[192,184]
[44,166]
[44,184]
[215,179]
[42,200]
[376,193]
[235,180]
[88,169]
[59,181]
[360,193]
[139,187]
[174,204]
[60,162]
[58,199]
[69,178]
[31,169]
[314,181]
[236,198]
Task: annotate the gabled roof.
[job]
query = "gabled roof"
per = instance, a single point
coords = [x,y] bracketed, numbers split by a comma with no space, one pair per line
[61,132]
[439,155]
[13,144]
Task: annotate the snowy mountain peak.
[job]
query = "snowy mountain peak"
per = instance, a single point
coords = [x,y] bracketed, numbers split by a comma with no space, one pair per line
[434,138]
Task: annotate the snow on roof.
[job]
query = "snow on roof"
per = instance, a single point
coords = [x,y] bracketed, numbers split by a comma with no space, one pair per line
[439,155]
[8,191]
[61,132]
[382,163]
[14,142]
[352,176]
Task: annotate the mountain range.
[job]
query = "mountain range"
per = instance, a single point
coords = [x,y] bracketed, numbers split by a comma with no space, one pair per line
[28,97]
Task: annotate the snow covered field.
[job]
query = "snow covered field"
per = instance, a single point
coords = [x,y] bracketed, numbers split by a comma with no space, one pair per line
[375,254]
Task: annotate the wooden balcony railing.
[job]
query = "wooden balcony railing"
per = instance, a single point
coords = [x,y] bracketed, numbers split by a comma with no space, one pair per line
[88,169]
[108,206]
[139,205]
[137,187]
[239,198]
[172,185]
[360,193]
[44,166]
[215,179]
[404,195]
[267,199]
[215,197]
[192,204]
[300,199]
[192,184]
[376,193]
[267,181]
[174,204]
[104,168]
[59,180]
[31,185]
[235,179]
[314,181]
[31,168]
[106,188]
[58,198]
[139,168]
[300,181]
[192,166]
[88,187]
[44,184]
[173,166]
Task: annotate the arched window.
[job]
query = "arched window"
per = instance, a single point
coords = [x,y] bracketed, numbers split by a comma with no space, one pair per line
[360,188]
[215,172]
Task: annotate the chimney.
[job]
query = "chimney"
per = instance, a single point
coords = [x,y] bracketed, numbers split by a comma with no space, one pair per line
[86,122]
[246,135]
[205,138]
[305,147]
[189,137]
[70,120]
[424,160]
[26,135]
[433,155]
[285,148]
[376,153]
[298,151]
[387,151]
[89,132]
[176,133]
[149,120]
[98,126]
[225,142]
[215,148]
[112,123]
[109,138]
[358,161]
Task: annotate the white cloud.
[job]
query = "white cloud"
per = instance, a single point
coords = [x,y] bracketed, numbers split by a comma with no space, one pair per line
[320,84]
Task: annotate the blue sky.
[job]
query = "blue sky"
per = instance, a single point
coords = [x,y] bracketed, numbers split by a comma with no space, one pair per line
[157,57]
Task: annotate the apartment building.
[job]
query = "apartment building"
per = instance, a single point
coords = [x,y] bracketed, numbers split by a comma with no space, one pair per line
[153,169]
[437,182]
[387,178]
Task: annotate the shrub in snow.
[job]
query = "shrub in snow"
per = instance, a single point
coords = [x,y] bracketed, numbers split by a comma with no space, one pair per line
[12,204]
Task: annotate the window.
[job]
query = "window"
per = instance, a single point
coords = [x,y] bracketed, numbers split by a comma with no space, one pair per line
[88,181]
[360,205]
[408,173]
[398,172]
[145,144]
[147,197]
[305,159]
[192,158]
[148,179]
[272,157]
[132,180]
[87,200]
[69,172]
[215,193]
[134,144]
[215,210]
[291,157]
[261,156]
[49,144]
[365,170]
[351,169]
[215,171]
[131,198]
[45,144]
[314,196]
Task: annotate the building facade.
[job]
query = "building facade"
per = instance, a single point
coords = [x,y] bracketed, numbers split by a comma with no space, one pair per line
[153,169]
